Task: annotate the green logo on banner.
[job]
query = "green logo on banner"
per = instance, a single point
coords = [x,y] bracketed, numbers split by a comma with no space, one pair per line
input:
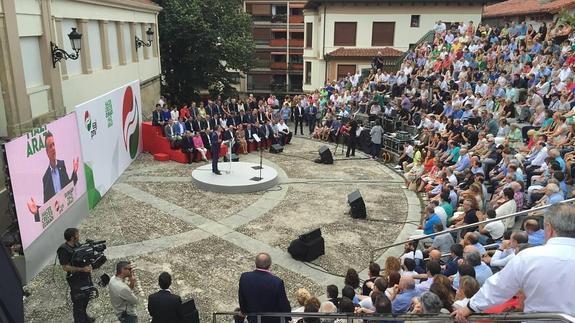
[36,140]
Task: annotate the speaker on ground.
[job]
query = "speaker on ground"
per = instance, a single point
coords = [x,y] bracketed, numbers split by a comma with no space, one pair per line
[325,156]
[308,246]
[235,158]
[357,205]
[276,148]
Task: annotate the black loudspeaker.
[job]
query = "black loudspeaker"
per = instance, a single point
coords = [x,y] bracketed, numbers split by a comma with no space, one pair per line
[276,148]
[235,158]
[308,246]
[325,155]
[190,312]
[357,205]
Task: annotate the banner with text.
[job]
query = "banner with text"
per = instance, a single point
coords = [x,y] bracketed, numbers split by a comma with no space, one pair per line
[47,175]
[110,133]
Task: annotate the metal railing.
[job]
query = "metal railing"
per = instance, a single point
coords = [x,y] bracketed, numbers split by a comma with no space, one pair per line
[428,37]
[330,317]
[467,226]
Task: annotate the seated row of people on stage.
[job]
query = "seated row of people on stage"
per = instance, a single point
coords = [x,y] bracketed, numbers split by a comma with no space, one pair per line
[189,138]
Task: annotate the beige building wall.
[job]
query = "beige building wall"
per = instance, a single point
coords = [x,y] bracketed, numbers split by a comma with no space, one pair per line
[32,92]
[37,92]
[325,17]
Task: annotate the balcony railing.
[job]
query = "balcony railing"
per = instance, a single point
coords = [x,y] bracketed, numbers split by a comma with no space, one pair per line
[264,18]
[280,42]
[295,19]
[259,63]
[296,42]
[295,66]
[278,66]
[281,18]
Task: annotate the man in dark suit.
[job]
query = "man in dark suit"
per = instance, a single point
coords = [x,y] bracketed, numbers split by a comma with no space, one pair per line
[230,134]
[261,291]
[56,177]
[157,116]
[188,148]
[299,116]
[163,306]
[215,145]
[204,122]
[311,115]
[216,121]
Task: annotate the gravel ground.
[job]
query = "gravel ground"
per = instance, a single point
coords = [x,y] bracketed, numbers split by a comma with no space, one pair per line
[120,219]
[207,271]
[347,240]
[211,205]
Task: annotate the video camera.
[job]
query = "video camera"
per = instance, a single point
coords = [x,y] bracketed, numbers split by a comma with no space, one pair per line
[90,253]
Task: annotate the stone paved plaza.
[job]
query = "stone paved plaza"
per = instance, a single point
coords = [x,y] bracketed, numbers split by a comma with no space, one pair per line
[155,217]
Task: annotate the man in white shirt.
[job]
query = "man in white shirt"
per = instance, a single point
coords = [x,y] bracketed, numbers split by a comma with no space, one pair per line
[284,133]
[543,273]
[506,251]
[121,294]
[492,231]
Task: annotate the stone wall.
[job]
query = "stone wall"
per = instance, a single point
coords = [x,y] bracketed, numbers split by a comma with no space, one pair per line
[150,92]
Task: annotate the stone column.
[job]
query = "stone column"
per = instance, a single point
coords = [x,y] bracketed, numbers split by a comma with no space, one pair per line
[16,99]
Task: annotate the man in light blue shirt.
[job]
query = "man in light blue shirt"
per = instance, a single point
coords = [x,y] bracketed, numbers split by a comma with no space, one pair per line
[536,235]
[482,271]
[402,295]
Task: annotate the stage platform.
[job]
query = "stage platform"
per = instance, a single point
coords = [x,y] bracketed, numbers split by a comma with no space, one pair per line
[237,180]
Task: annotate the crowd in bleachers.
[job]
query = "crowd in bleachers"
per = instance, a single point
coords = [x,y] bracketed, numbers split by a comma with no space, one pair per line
[494,110]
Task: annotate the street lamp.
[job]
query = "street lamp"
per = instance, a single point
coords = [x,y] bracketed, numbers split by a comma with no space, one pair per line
[58,54]
[149,38]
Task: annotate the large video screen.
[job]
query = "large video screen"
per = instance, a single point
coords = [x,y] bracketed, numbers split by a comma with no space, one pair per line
[47,175]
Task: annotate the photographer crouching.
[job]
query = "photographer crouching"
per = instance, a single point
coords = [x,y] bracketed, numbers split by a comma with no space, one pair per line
[78,260]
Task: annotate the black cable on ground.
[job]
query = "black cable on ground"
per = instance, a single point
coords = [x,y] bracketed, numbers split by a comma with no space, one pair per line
[320,268]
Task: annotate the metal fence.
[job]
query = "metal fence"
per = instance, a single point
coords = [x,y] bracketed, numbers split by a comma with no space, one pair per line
[467,226]
[349,318]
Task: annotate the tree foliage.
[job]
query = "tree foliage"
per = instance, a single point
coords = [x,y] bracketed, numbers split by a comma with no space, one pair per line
[195,36]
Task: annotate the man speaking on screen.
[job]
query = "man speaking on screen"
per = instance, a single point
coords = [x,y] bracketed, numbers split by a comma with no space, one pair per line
[56,177]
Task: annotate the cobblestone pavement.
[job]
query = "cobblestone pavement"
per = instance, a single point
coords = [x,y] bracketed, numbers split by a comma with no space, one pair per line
[155,217]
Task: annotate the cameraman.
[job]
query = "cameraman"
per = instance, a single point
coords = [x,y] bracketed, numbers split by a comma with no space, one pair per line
[77,277]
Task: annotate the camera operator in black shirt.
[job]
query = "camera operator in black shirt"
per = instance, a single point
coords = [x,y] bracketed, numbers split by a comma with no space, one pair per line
[77,277]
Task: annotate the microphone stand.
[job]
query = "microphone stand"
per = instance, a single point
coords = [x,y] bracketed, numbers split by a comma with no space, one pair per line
[260,167]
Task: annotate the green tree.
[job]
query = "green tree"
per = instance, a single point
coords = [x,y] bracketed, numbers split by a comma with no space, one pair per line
[195,37]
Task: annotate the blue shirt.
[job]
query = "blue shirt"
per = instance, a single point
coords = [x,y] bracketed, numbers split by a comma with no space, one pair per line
[454,199]
[402,302]
[482,272]
[55,172]
[561,162]
[457,114]
[537,238]
[463,163]
[428,226]
[556,198]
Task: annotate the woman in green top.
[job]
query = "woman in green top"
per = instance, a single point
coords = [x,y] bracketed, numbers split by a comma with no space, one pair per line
[515,138]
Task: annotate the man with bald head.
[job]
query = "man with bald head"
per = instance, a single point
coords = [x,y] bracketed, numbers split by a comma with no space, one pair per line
[261,291]
[435,255]
[402,294]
